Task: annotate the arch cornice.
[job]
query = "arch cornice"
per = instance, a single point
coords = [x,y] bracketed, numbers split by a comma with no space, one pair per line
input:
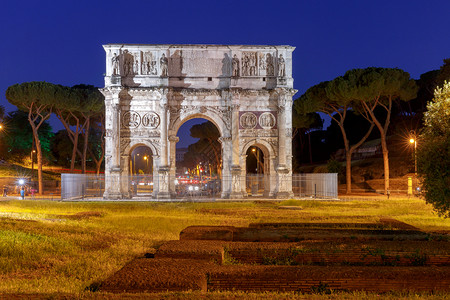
[262,143]
[152,143]
[209,114]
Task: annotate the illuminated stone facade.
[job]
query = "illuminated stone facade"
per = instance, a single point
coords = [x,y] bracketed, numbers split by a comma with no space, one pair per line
[246,91]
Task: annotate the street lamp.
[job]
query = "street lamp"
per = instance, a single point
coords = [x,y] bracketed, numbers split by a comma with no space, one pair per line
[146,159]
[256,153]
[32,161]
[413,140]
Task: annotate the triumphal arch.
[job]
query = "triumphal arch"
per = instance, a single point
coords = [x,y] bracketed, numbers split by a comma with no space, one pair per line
[246,91]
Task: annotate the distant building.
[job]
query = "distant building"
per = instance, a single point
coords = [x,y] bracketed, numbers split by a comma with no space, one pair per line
[367,150]
[180,154]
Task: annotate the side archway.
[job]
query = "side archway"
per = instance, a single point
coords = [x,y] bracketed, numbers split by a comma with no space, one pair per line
[268,174]
[140,169]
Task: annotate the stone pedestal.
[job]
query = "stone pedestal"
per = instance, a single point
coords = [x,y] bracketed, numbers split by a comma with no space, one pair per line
[163,186]
[236,188]
[284,189]
[112,185]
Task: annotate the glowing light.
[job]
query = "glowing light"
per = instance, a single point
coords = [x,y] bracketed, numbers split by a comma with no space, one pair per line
[21,181]
[412,141]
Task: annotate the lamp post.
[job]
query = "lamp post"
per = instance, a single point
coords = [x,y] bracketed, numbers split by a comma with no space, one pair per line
[146,159]
[256,154]
[134,163]
[32,161]
[413,140]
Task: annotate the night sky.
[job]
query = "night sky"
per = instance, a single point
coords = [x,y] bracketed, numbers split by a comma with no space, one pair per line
[61,41]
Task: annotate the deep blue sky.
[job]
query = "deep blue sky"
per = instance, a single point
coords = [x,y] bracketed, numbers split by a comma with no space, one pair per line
[61,41]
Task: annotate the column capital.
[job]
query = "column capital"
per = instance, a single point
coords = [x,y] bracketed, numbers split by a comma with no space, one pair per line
[224,139]
[174,138]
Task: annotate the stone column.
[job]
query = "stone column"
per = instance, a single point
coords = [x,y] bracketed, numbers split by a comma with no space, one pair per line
[226,166]
[155,178]
[173,140]
[112,143]
[281,137]
[163,188]
[288,135]
[284,189]
[236,184]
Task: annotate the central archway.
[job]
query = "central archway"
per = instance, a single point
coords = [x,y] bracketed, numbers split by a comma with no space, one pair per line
[198,179]
[198,167]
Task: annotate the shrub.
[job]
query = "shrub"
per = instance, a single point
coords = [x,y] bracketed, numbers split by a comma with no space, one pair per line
[433,156]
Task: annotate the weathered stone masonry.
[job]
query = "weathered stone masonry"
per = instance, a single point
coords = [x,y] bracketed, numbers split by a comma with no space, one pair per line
[246,91]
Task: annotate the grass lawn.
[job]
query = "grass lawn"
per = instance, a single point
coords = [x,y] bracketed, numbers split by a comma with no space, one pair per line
[62,248]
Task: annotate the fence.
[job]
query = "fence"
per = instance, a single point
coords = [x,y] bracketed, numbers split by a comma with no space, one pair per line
[315,185]
[80,186]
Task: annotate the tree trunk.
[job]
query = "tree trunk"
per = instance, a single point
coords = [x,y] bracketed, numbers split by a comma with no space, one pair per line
[383,133]
[39,160]
[385,162]
[32,119]
[349,150]
[74,151]
[85,146]
[72,135]
[98,165]
[348,171]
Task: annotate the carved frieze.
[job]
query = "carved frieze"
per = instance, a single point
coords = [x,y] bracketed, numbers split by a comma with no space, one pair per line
[262,61]
[199,92]
[124,144]
[258,132]
[267,120]
[249,63]
[150,120]
[258,120]
[149,64]
[140,133]
[131,119]
[248,120]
